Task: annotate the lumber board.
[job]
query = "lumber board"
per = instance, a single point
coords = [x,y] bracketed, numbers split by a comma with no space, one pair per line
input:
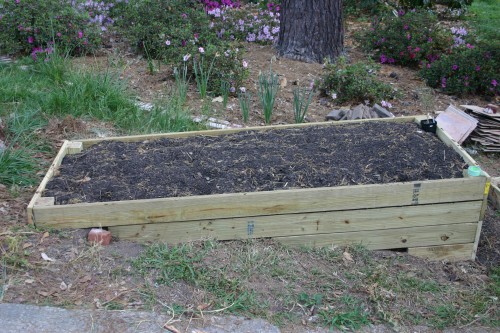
[494,194]
[456,252]
[302,224]
[443,136]
[216,132]
[391,238]
[85,215]
[52,169]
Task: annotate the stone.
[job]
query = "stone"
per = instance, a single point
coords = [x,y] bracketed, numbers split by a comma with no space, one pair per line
[335,115]
[99,236]
[382,112]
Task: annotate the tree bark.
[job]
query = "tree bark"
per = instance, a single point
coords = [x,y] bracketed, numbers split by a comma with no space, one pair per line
[311,30]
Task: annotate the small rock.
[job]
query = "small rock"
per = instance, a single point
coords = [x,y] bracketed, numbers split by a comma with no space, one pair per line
[394,75]
[335,115]
[99,236]
[382,112]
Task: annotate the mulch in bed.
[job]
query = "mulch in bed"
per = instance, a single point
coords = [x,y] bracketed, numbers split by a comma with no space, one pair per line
[249,161]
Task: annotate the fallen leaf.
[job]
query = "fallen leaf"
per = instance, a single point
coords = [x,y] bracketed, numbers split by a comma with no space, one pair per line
[45,235]
[219,99]
[29,281]
[85,279]
[347,256]
[78,303]
[202,307]
[26,245]
[46,257]
[171,328]
[43,293]
[63,286]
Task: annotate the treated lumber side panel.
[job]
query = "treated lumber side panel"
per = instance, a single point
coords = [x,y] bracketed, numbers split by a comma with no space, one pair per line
[391,238]
[53,167]
[494,194]
[217,132]
[303,224]
[457,252]
[260,203]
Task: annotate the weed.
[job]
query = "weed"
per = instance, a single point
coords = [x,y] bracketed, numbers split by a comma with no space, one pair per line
[351,316]
[267,91]
[17,167]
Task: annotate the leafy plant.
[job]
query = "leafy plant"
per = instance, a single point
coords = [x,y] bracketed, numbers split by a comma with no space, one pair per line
[224,89]
[406,39]
[32,26]
[351,316]
[355,83]
[301,100]
[465,71]
[267,91]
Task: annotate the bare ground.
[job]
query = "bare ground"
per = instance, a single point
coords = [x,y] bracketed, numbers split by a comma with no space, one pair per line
[390,287]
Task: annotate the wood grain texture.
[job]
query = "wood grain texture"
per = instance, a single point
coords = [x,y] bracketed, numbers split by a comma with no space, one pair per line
[456,252]
[220,206]
[303,224]
[52,169]
[391,238]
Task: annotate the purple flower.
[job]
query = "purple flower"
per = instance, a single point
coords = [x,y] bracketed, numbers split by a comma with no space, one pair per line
[186,57]
[167,42]
[232,89]
[201,50]
[454,67]
[469,46]
[245,64]
[243,89]
[386,104]
[406,27]
[183,43]
[383,59]
[478,68]
[80,34]
[31,39]
[494,83]
[184,15]
[443,82]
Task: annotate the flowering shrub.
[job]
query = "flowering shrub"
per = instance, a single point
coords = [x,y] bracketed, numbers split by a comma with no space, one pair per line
[250,24]
[355,83]
[173,30]
[465,71]
[32,26]
[407,39]
[212,4]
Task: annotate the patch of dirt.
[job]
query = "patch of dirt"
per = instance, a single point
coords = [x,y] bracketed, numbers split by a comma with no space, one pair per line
[251,161]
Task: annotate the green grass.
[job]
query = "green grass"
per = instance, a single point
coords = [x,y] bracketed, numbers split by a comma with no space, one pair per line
[30,93]
[485,19]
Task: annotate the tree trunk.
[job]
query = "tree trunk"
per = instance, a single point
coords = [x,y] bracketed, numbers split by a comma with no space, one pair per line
[311,30]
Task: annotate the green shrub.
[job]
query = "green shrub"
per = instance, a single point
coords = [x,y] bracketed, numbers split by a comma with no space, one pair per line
[33,26]
[465,71]
[171,30]
[355,83]
[406,39]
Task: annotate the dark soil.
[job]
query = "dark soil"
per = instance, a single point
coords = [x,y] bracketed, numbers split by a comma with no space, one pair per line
[249,161]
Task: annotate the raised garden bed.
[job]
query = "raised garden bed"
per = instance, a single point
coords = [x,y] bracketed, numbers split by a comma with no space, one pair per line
[384,184]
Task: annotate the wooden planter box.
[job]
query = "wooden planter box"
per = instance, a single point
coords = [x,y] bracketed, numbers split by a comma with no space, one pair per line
[439,219]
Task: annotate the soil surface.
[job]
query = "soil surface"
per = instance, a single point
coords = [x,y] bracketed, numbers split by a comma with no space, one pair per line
[250,161]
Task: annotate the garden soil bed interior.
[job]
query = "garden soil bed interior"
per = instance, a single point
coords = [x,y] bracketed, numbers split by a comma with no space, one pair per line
[384,184]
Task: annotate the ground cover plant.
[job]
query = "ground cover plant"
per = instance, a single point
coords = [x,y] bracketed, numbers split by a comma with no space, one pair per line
[44,102]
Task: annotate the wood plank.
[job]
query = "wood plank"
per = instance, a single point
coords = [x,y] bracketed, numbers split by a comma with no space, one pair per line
[53,167]
[494,193]
[391,238]
[130,212]
[457,252]
[443,136]
[137,138]
[303,224]
[75,147]
[476,240]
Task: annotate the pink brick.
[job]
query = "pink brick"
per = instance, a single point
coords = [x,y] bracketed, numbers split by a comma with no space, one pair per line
[100,236]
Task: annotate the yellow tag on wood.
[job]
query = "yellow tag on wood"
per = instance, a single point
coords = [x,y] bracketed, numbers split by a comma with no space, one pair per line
[487,188]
